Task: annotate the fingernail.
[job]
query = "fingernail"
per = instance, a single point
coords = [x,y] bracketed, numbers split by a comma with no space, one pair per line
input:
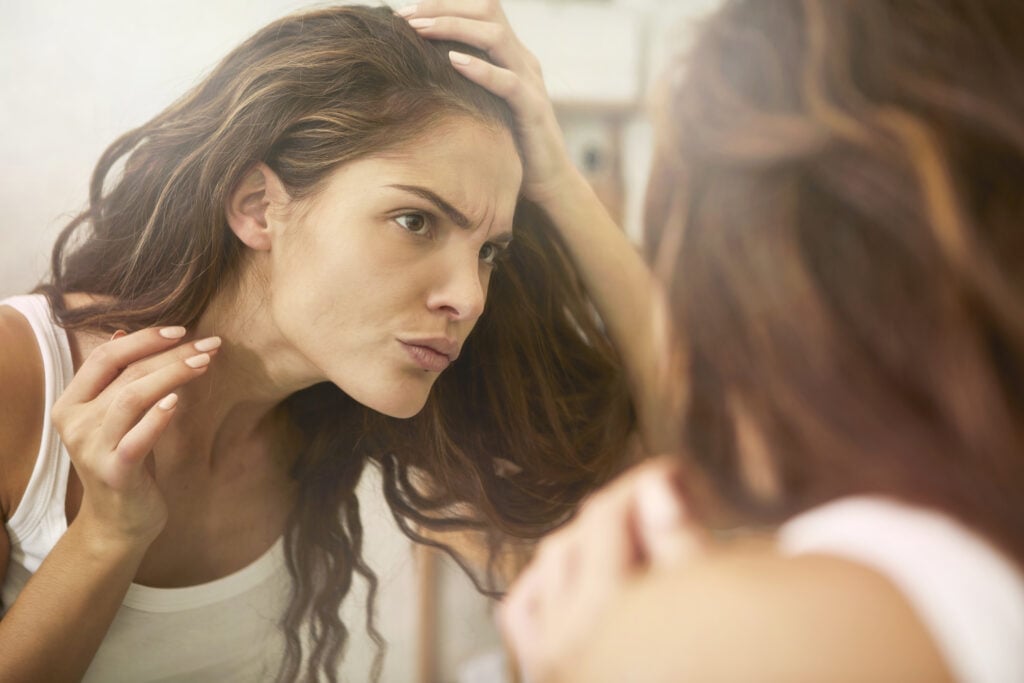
[172,332]
[198,361]
[208,344]
[117,335]
[408,10]
[168,402]
[422,22]
[658,504]
[457,57]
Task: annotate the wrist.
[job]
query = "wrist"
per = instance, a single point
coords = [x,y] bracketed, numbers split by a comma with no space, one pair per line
[106,545]
[562,182]
[571,203]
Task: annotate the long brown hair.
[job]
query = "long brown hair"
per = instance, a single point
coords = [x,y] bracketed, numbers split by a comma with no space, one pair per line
[534,414]
[837,216]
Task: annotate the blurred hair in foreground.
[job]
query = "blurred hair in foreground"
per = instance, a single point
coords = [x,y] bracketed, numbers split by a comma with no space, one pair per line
[835,211]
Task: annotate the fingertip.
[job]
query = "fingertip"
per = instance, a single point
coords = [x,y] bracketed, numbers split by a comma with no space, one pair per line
[176,332]
[667,532]
[459,58]
[659,506]
[168,402]
[200,360]
[208,345]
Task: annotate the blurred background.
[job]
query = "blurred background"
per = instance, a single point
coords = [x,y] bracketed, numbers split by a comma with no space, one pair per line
[76,74]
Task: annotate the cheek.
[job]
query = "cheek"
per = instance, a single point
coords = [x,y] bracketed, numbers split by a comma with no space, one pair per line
[324,267]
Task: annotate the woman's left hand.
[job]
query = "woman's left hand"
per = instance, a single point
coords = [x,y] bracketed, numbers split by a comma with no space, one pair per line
[635,525]
[515,76]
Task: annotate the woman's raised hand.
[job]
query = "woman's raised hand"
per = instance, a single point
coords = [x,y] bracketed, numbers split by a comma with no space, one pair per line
[636,524]
[515,76]
[111,415]
[616,278]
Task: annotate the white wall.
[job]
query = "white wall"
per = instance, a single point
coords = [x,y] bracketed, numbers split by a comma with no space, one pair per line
[75,75]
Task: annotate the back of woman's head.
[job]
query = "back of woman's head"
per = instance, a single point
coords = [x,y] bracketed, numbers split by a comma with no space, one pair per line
[836,215]
[304,95]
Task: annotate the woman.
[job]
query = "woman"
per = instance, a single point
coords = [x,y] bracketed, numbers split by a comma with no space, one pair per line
[268,274]
[834,215]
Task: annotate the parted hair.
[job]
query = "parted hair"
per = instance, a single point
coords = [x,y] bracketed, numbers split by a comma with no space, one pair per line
[837,216]
[534,414]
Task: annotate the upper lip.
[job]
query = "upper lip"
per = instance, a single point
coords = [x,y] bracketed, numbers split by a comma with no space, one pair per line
[443,345]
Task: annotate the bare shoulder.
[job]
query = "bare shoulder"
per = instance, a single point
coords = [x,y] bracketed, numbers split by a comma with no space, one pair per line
[21,407]
[742,616]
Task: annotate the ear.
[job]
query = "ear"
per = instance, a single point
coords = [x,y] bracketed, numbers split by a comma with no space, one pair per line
[248,206]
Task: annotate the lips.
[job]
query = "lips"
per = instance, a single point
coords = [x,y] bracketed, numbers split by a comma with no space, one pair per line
[431,354]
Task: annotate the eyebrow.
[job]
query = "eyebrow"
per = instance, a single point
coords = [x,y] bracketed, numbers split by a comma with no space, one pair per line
[454,214]
[457,216]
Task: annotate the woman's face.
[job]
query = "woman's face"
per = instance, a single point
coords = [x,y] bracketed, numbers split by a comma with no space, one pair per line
[378,279]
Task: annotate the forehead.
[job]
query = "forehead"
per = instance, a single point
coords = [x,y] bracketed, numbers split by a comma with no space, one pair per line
[461,137]
[473,165]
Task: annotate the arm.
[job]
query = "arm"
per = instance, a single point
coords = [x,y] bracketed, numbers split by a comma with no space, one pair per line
[54,628]
[109,422]
[620,283]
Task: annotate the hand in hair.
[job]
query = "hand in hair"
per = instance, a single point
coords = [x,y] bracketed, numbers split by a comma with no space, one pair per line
[614,274]
[635,525]
[515,76]
[111,415]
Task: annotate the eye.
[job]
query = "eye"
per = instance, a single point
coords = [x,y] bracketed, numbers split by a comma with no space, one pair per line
[416,223]
[493,254]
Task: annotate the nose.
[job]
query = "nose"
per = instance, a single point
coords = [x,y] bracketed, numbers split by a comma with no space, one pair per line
[461,290]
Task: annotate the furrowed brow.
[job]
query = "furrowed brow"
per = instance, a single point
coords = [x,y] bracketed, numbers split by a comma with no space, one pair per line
[454,214]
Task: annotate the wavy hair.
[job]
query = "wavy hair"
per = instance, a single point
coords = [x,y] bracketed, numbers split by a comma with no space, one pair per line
[533,416]
[836,213]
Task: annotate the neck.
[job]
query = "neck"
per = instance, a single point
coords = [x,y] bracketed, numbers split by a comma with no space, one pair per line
[235,403]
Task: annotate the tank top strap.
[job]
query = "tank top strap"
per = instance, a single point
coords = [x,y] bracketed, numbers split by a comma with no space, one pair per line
[40,518]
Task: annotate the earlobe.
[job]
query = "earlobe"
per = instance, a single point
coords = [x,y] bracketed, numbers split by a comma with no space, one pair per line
[248,206]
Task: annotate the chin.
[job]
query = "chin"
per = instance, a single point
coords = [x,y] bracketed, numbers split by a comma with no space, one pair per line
[403,412]
[401,407]
[399,398]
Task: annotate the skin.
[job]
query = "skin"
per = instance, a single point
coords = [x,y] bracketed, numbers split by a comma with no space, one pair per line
[635,590]
[407,269]
[187,490]
[631,590]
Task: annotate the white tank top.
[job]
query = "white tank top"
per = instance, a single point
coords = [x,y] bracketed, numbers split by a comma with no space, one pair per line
[965,591]
[225,630]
